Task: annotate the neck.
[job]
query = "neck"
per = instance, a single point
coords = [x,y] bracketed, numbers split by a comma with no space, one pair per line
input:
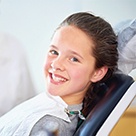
[73,99]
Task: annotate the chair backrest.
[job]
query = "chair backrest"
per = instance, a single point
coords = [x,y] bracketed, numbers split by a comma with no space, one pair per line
[120,90]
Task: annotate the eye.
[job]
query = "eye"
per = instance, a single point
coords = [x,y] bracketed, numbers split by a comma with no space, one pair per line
[53,52]
[74,59]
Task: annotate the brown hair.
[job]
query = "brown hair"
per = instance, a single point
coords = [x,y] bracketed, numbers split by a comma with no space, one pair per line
[104,51]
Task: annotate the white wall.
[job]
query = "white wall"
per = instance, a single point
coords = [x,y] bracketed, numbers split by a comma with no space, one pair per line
[33,22]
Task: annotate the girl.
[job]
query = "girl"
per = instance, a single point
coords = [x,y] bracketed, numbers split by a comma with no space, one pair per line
[82,53]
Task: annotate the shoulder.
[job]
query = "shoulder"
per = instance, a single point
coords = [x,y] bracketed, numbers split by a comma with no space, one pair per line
[49,124]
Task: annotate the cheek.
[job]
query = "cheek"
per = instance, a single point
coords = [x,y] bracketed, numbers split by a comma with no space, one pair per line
[83,74]
[47,65]
[80,79]
[79,73]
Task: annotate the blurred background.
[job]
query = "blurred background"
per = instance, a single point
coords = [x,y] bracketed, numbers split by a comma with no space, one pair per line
[33,22]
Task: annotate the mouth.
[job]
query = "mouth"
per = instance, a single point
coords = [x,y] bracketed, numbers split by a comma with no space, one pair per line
[56,79]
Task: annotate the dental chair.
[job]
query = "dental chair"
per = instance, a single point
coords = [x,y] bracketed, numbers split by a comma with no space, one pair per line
[119,91]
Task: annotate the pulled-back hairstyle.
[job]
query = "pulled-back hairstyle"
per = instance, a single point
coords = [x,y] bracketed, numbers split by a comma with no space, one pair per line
[104,50]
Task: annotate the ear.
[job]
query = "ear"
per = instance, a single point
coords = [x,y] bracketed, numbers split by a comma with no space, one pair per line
[99,74]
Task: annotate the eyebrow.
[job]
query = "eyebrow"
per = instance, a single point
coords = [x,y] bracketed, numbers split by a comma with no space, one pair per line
[53,46]
[72,52]
[75,53]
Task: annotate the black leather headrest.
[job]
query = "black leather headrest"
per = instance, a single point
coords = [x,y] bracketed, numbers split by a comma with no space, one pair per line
[113,90]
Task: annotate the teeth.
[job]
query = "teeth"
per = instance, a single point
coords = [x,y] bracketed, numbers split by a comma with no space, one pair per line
[58,79]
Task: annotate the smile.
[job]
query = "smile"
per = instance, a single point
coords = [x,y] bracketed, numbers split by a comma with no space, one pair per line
[58,79]
[55,79]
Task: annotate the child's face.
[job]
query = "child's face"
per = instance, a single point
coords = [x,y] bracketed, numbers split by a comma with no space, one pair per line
[69,64]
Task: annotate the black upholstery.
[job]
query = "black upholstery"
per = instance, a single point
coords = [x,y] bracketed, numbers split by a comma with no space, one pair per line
[115,88]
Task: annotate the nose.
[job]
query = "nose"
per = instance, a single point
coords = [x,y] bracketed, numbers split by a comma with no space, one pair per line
[58,64]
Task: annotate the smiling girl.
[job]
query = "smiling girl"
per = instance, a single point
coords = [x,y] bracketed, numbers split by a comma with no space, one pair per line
[82,54]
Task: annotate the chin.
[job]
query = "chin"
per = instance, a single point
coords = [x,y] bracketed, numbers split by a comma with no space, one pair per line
[52,93]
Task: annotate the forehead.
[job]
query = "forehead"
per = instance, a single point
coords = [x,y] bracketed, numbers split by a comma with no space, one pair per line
[72,37]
